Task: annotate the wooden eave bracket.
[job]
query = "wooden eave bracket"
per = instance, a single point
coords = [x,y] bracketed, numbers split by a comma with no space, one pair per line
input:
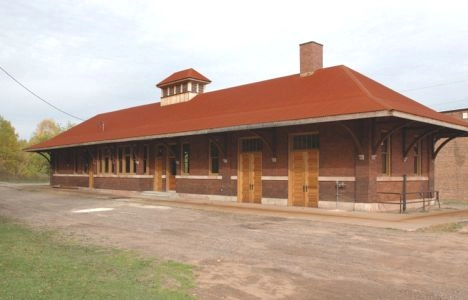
[387,135]
[436,151]
[167,146]
[222,147]
[43,154]
[272,146]
[406,150]
[357,143]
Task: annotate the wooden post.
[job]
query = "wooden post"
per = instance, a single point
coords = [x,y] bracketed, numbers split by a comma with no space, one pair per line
[404,193]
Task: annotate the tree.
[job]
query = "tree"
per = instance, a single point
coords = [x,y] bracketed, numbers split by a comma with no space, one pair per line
[9,149]
[17,164]
[45,130]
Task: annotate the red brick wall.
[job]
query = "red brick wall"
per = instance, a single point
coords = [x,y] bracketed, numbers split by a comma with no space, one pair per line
[275,189]
[127,184]
[199,186]
[70,181]
[337,151]
[338,158]
[451,166]
[328,191]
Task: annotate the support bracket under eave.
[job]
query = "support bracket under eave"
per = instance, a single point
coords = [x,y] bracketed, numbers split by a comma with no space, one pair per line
[416,140]
[436,151]
[43,154]
[270,145]
[222,147]
[167,146]
[387,135]
[357,143]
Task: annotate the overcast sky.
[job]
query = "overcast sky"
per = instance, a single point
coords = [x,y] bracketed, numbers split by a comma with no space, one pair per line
[89,57]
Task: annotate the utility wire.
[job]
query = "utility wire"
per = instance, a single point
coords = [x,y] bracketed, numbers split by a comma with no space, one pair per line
[38,97]
[435,85]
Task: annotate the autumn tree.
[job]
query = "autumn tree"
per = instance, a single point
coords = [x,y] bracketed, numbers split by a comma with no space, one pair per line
[45,130]
[17,164]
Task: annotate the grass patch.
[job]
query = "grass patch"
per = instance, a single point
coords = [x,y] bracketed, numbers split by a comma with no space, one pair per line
[37,265]
[446,227]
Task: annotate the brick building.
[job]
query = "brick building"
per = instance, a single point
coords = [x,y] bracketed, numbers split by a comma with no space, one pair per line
[451,164]
[307,139]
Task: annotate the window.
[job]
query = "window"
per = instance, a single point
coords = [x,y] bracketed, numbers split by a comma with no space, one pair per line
[251,145]
[77,161]
[214,159]
[169,91]
[385,156]
[145,159]
[119,160]
[106,161]
[194,87]
[417,158]
[465,115]
[86,160]
[81,162]
[126,160]
[177,91]
[305,142]
[184,87]
[186,158]
[172,159]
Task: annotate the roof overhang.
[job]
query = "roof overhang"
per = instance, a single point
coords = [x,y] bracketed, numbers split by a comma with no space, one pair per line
[336,118]
[429,121]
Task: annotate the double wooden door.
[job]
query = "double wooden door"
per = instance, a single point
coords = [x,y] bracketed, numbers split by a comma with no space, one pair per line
[250,177]
[303,178]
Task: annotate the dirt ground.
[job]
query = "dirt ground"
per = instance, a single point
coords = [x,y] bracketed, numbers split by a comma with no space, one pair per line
[251,253]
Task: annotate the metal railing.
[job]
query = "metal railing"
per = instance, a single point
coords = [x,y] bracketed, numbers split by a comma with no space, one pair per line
[424,197]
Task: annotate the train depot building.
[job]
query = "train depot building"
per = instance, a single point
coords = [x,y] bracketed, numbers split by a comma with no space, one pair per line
[313,139]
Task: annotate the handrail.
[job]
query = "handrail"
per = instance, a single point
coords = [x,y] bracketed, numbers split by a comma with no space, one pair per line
[426,196]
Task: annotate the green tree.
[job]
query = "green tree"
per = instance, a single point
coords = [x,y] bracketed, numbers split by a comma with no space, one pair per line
[10,151]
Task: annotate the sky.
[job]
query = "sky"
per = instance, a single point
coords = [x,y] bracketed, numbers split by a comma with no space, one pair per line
[92,56]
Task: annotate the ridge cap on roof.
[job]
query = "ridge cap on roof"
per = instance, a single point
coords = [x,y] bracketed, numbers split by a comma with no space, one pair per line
[351,73]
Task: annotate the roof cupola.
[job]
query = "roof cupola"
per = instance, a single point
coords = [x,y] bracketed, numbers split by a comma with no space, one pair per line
[182,86]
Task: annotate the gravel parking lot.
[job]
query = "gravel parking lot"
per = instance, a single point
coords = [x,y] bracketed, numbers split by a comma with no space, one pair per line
[249,254]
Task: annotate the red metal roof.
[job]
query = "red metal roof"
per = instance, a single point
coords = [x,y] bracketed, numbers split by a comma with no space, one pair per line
[329,93]
[182,75]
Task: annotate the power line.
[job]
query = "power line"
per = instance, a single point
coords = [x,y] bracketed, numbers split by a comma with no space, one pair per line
[435,85]
[38,97]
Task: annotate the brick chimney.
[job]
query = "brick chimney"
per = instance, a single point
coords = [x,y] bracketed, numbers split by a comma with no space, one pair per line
[311,56]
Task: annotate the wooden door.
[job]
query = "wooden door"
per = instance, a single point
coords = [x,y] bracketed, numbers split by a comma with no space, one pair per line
[171,171]
[158,168]
[304,178]
[250,177]
[91,177]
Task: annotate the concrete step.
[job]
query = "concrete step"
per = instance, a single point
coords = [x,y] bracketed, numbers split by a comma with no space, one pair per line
[155,194]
